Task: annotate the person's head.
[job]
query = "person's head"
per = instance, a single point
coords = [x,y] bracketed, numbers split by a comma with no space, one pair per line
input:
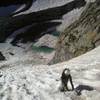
[66,71]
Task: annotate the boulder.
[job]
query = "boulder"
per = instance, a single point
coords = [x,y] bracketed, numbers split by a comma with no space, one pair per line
[2,58]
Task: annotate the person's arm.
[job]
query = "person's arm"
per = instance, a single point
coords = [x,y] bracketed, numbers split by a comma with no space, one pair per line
[71,82]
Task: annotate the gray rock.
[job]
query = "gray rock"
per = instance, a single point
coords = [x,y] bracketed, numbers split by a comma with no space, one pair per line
[2,58]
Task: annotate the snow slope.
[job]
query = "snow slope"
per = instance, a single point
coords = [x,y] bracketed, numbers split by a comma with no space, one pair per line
[25,54]
[24,81]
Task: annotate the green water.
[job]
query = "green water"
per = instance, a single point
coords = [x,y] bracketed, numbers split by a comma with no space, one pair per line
[43,49]
[55,33]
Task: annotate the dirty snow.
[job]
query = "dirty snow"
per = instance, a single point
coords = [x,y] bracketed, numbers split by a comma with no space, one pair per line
[25,53]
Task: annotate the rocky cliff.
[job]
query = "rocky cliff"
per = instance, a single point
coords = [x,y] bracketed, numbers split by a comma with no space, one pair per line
[81,36]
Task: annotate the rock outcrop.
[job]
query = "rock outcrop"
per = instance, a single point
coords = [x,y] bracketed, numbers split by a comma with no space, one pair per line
[81,36]
[2,58]
[12,24]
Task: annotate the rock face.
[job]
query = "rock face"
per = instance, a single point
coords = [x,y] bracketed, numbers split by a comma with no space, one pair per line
[81,36]
[12,24]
